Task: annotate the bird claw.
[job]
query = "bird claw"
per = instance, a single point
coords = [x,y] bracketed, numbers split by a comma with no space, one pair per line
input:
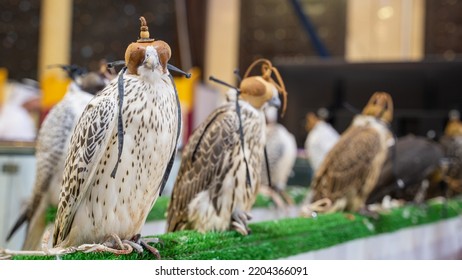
[151,249]
[139,243]
[239,228]
[117,240]
[311,210]
[136,243]
[244,216]
[240,220]
[137,247]
[369,213]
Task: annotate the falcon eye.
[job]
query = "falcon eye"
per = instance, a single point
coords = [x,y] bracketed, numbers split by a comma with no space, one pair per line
[386,106]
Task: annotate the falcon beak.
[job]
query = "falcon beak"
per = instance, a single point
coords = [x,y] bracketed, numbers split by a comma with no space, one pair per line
[275,102]
[149,63]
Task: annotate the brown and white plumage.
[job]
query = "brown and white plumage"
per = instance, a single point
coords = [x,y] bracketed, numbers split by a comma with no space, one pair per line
[93,205]
[211,182]
[51,149]
[452,146]
[351,169]
[211,192]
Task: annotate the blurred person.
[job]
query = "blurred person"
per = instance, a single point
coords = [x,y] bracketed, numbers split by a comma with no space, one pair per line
[16,121]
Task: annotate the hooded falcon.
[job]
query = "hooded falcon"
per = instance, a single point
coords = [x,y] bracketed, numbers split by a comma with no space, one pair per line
[51,150]
[121,151]
[352,167]
[220,174]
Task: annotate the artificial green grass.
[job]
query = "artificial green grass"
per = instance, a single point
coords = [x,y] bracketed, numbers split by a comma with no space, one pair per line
[159,210]
[51,214]
[283,238]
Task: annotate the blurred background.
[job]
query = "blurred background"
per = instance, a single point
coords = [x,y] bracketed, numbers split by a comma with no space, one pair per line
[329,52]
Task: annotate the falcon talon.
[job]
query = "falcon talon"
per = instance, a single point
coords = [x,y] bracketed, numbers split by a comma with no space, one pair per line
[137,247]
[239,228]
[151,249]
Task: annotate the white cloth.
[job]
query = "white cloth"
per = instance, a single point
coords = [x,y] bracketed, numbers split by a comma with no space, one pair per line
[439,240]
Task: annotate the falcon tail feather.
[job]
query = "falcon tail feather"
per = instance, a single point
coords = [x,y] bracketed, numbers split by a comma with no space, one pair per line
[23,218]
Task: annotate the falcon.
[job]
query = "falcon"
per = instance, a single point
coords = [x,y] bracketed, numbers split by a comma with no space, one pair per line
[321,138]
[51,150]
[412,167]
[220,170]
[452,146]
[121,152]
[281,149]
[352,167]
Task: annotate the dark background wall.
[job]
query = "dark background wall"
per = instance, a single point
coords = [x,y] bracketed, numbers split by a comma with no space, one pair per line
[19,37]
[271,29]
[104,28]
[443,28]
[423,92]
[100,29]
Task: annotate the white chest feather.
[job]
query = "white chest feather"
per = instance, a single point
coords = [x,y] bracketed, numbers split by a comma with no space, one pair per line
[120,205]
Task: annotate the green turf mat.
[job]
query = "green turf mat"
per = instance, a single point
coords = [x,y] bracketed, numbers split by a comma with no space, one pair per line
[286,237]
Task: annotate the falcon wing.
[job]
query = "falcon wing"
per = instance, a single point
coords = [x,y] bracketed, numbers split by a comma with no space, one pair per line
[206,160]
[275,147]
[347,164]
[51,142]
[88,143]
[410,160]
